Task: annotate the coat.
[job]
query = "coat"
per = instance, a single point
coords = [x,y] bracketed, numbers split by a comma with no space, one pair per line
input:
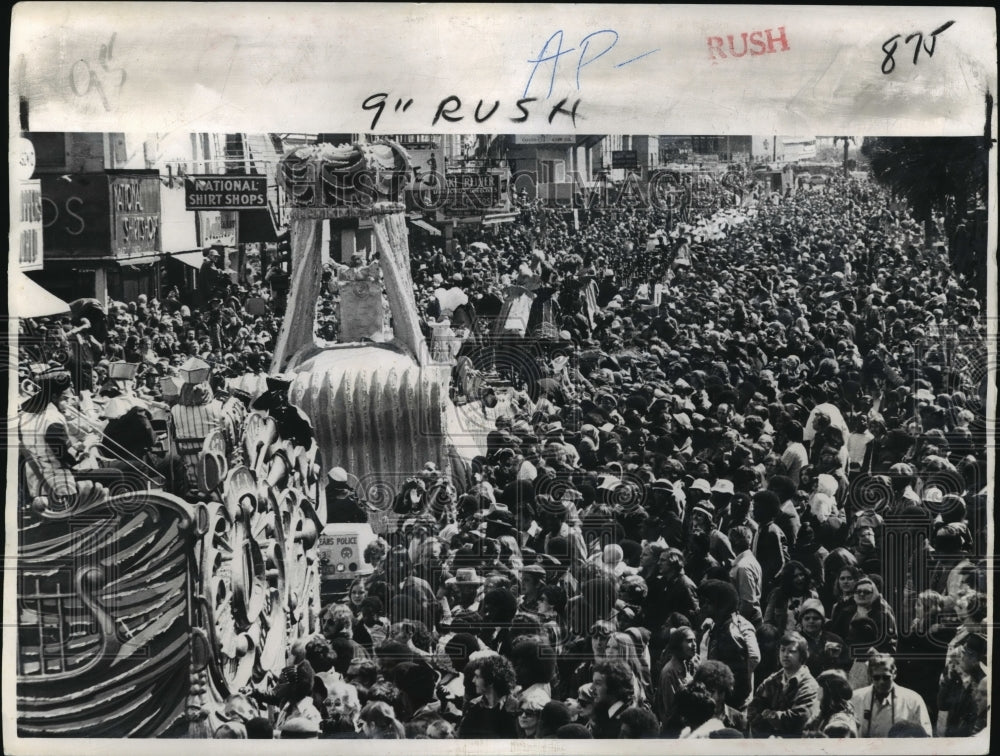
[795,704]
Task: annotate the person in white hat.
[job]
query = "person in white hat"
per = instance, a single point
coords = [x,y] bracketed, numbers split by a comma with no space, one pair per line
[467,587]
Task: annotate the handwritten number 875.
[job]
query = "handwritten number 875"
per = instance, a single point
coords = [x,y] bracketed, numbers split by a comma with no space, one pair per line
[889,63]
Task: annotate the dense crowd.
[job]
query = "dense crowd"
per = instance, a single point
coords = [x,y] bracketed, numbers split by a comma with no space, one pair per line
[740,491]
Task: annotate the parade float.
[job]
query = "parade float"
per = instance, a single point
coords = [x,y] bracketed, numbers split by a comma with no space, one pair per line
[139,611]
[379,400]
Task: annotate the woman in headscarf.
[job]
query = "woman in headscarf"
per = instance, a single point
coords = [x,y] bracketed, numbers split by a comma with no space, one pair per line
[871,610]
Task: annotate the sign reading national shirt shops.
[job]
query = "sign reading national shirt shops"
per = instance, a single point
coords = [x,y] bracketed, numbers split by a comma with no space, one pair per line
[225,192]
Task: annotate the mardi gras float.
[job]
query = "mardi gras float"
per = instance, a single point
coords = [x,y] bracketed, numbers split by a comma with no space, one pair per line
[380,400]
[139,612]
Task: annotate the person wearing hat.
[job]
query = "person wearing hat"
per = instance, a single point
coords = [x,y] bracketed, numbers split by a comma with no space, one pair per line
[826,650]
[880,705]
[129,434]
[465,588]
[342,504]
[196,414]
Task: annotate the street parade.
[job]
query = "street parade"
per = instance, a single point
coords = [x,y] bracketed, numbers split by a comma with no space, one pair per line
[688,450]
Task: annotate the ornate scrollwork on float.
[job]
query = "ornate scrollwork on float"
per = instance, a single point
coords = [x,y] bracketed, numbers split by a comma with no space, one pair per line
[105,644]
[140,613]
[259,586]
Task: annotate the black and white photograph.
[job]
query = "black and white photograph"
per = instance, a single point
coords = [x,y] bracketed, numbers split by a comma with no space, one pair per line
[492,437]
[613,436]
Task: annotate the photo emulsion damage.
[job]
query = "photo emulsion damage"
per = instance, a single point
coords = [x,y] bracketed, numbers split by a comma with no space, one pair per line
[415,436]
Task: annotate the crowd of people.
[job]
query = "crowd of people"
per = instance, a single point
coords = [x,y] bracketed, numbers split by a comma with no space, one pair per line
[740,490]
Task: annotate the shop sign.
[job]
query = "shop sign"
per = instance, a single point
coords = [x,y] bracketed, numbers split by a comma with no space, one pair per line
[472,193]
[135,215]
[30,226]
[225,192]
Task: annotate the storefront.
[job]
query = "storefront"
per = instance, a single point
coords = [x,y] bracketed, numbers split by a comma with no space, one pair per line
[102,234]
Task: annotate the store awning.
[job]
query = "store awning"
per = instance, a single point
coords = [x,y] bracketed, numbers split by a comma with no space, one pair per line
[29,300]
[194,259]
[426,227]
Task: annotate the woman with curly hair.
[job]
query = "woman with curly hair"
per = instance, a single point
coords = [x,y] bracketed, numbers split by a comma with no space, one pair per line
[489,714]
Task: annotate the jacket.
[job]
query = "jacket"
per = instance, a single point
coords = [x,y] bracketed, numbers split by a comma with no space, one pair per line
[734,643]
[796,705]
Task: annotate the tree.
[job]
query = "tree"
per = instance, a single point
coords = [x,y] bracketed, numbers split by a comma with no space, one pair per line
[847,143]
[947,175]
[930,171]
